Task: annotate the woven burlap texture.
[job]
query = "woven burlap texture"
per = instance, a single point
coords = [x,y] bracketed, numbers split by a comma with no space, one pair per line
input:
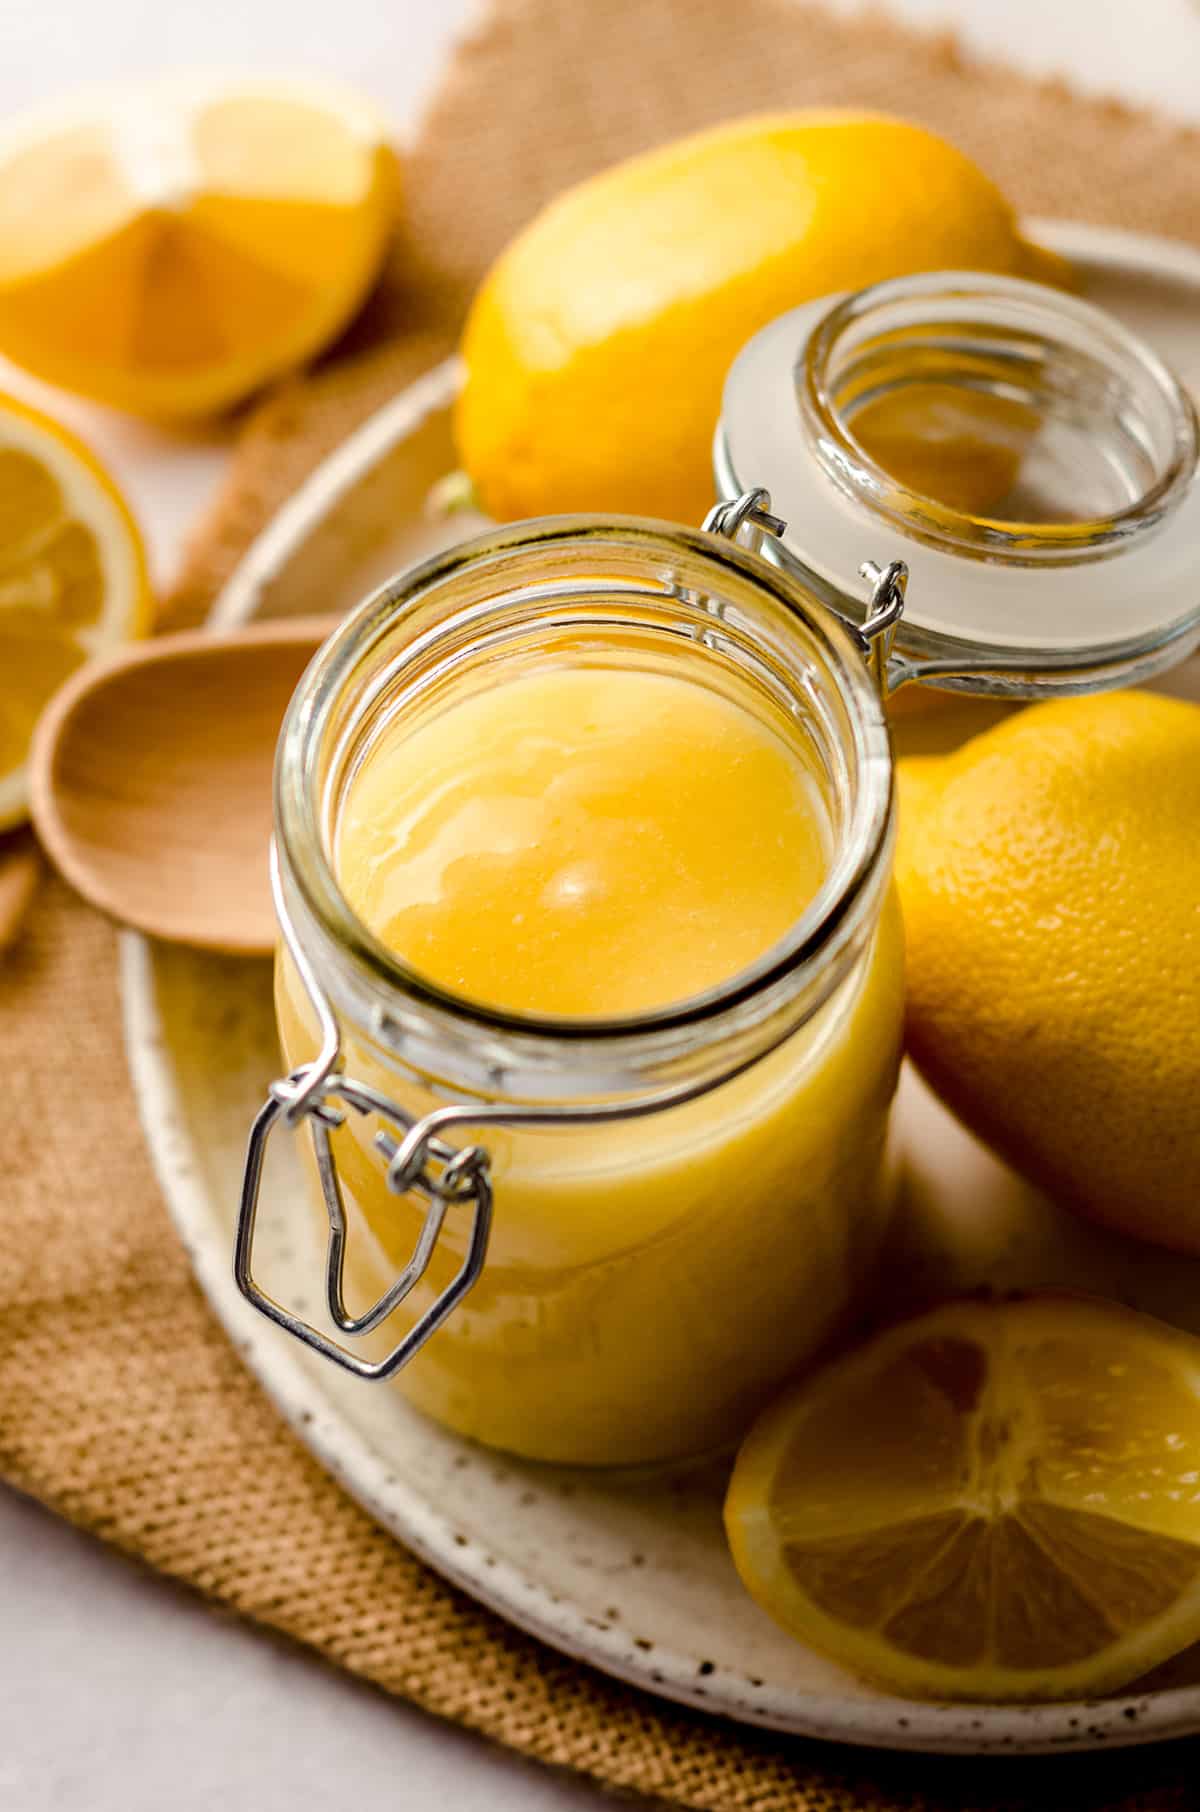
[121,1404]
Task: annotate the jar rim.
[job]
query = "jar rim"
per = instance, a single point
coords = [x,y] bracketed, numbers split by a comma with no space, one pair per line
[1045,313]
[830,921]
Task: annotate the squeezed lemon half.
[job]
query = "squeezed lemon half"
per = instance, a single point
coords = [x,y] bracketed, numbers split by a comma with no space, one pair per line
[993,1501]
[72,577]
[169,248]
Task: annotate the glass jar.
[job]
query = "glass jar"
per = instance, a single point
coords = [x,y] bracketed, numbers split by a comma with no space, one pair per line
[687,1202]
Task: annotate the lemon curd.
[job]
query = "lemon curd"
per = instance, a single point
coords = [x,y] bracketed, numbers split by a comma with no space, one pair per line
[586,842]
[589,842]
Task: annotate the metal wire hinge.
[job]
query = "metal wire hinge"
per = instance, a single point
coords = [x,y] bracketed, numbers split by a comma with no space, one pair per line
[888,586]
[418,1162]
[750,512]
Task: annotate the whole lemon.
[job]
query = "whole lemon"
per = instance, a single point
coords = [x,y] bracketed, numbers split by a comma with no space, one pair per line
[918,783]
[598,344]
[1050,877]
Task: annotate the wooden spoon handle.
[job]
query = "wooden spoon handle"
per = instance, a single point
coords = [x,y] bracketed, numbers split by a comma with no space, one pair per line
[20,871]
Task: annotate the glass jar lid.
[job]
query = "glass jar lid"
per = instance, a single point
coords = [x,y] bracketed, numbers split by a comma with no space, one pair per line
[1029,459]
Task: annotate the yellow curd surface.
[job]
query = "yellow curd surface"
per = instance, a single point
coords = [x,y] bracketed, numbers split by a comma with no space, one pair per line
[590,841]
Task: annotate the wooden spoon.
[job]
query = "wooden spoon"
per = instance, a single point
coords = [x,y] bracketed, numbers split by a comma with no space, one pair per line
[150,780]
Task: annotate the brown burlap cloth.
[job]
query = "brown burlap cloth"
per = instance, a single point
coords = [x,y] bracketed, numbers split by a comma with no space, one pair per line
[121,1404]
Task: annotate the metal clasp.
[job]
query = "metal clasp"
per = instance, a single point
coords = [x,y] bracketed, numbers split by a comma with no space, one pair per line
[752,510]
[418,1161]
[888,586]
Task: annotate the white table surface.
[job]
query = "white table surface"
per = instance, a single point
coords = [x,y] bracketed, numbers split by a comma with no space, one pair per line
[118,1692]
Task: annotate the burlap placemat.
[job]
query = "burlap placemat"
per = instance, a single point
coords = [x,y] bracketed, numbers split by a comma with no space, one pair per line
[121,1404]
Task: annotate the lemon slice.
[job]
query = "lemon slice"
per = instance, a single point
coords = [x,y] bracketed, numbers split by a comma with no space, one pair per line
[994,1501]
[72,577]
[168,249]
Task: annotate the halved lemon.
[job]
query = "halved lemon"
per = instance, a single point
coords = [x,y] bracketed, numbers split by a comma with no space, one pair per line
[993,1501]
[73,577]
[170,248]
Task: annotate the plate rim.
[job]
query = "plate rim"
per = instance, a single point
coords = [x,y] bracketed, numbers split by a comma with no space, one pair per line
[920,1726]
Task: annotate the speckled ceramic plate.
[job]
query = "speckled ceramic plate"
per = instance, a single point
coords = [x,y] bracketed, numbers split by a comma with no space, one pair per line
[631,1575]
